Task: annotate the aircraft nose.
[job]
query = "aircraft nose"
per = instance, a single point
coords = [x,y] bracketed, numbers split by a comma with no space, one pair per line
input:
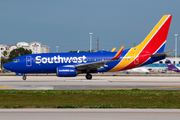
[7,66]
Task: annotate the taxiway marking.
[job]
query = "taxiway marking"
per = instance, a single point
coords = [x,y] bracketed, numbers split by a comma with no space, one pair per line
[140,88]
[4,87]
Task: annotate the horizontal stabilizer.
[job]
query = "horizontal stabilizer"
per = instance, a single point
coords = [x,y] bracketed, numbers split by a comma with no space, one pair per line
[162,53]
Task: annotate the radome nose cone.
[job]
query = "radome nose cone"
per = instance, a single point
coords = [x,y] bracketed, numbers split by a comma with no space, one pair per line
[6,66]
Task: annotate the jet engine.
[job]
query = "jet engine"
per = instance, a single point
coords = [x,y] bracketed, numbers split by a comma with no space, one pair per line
[66,72]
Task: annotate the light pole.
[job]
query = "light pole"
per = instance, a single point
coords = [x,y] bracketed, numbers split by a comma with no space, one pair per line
[175,47]
[57,48]
[90,41]
[0,62]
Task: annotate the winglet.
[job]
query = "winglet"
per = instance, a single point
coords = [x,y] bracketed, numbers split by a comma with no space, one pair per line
[118,53]
[113,50]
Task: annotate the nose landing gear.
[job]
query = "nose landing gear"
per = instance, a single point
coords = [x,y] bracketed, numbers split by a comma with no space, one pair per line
[24,77]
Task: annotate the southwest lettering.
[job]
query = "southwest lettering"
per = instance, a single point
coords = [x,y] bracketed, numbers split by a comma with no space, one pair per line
[58,59]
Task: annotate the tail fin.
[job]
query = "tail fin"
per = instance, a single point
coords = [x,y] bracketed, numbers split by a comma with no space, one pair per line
[154,43]
[156,40]
[171,66]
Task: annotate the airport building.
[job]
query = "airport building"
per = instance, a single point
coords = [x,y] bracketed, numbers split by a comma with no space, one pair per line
[35,47]
[2,49]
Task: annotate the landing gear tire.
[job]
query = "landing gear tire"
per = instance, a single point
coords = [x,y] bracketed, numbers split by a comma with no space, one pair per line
[88,76]
[24,77]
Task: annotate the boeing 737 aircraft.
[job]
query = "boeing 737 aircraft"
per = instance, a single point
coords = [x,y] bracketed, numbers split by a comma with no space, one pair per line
[71,64]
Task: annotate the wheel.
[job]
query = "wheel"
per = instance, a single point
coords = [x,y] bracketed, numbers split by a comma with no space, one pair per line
[24,77]
[88,76]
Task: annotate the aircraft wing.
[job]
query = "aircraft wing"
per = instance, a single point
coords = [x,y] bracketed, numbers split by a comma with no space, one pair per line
[91,66]
[98,64]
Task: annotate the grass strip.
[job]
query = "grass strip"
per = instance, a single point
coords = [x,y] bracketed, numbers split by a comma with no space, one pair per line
[134,98]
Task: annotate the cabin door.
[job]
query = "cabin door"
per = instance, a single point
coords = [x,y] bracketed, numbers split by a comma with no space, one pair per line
[28,61]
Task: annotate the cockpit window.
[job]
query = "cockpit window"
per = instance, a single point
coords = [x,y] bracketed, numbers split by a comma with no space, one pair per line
[16,60]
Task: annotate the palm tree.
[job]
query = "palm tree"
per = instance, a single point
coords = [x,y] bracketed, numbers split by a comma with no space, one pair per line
[4,53]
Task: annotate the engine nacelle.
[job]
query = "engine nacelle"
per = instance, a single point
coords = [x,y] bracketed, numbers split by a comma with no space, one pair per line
[66,72]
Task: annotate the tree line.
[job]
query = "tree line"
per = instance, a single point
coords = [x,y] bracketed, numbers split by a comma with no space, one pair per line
[13,54]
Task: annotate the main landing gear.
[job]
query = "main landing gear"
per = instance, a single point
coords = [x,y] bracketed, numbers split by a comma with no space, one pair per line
[88,76]
[24,77]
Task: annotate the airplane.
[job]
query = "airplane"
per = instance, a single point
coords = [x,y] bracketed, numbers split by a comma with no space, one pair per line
[71,64]
[138,70]
[172,67]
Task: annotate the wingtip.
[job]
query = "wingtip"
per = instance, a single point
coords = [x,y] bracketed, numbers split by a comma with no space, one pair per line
[113,50]
[118,53]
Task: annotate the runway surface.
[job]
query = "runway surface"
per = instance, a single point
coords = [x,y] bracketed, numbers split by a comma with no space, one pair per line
[98,82]
[90,114]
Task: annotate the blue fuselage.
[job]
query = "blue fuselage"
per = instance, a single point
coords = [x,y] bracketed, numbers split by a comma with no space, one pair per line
[49,62]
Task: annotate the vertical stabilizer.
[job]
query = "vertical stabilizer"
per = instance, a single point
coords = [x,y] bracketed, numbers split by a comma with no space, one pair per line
[154,43]
[156,39]
[171,66]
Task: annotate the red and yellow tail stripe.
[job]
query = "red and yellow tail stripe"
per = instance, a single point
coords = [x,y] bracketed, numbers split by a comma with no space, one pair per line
[153,42]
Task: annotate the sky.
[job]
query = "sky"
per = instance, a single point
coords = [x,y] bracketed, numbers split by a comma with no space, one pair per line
[67,23]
